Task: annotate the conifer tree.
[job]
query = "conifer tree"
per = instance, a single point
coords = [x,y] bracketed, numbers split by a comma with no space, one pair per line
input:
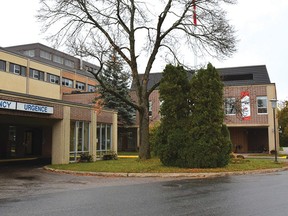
[192,133]
[117,79]
[210,144]
[172,133]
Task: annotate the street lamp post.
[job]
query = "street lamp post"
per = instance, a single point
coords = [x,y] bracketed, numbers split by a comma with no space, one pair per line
[274,105]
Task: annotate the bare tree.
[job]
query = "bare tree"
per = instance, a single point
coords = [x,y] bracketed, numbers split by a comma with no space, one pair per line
[141,32]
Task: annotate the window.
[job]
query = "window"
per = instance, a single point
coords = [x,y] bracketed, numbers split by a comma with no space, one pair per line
[67,82]
[262,105]
[53,79]
[229,106]
[89,69]
[57,59]
[79,139]
[45,55]
[2,65]
[69,63]
[80,86]
[104,135]
[150,108]
[91,88]
[237,77]
[17,69]
[35,74]
[30,53]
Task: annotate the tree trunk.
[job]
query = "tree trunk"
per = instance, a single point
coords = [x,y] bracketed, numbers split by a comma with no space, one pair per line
[144,148]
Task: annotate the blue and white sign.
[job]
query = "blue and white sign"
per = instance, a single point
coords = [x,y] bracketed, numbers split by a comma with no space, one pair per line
[4,104]
[34,108]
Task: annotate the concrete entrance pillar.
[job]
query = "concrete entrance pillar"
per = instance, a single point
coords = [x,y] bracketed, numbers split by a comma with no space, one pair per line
[115,132]
[61,139]
[93,136]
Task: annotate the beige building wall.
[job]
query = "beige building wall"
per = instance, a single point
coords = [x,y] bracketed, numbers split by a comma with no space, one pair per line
[12,82]
[40,87]
[25,84]
[44,68]
[93,134]
[271,94]
[13,58]
[114,132]
[44,89]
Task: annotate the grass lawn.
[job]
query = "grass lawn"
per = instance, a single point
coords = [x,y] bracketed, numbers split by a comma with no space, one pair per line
[132,165]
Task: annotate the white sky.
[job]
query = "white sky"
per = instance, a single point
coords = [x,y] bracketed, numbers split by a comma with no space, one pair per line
[262,30]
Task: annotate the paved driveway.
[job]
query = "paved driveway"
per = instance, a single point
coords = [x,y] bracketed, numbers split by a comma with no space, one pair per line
[31,191]
[22,179]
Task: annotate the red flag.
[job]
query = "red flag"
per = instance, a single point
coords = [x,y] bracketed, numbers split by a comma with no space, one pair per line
[194,12]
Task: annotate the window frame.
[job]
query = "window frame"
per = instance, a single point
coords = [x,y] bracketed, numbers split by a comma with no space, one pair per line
[58,59]
[45,55]
[264,107]
[103,131]
[55,78]
[80,84]
[79,139]
[40,75]
[29,53]
[91,88]
[69,63]
[150,108]
[17,69]
[229,101]
[4,64]
[69,81]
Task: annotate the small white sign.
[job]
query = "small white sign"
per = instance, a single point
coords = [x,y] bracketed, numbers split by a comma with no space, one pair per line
[34,108]
[4,104]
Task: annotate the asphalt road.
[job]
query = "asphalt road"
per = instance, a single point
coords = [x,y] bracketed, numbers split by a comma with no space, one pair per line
[33,191]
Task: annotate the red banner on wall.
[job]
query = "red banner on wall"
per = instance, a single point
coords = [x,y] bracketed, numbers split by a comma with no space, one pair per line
[245,106]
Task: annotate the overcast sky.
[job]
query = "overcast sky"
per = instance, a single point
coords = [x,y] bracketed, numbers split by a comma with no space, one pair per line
[261,25]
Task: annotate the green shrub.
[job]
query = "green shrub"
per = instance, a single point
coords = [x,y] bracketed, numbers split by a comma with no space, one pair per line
[110,156]
[85,157]
[153,130]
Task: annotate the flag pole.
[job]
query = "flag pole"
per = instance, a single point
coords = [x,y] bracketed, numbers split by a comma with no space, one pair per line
[195,29]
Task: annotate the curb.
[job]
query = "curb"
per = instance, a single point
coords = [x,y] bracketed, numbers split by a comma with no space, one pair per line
[165,175]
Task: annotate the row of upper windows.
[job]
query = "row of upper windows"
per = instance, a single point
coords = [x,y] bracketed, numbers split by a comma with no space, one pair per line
[230,105]
[40,75]
[49,56]
[56,58]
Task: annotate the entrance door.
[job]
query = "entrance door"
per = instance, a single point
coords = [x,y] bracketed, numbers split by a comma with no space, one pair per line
[257,140]
[28,142]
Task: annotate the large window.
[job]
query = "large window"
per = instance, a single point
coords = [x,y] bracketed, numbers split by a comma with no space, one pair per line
[104,135]
[262,105]
[36,74]
[17,69]
[67,82]
[2,65]
[91,88]
[229,106]
[150,108]
[53,79]
[79,139]
[45,55]
[80,86]
[58,59]
[30,53]
[69,63]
